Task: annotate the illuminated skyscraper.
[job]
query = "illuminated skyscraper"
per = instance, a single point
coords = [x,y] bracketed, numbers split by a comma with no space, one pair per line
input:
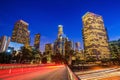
[59,44]
[21,34]
[95,37]
[37,41]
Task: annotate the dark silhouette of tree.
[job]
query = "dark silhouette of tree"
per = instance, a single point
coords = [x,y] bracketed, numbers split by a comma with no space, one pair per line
[5,57]
[44,60]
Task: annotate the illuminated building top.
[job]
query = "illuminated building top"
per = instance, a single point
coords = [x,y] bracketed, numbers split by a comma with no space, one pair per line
[60,30]
[23,22]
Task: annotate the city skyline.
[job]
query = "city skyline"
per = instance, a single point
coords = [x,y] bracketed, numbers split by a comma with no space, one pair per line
[44,17]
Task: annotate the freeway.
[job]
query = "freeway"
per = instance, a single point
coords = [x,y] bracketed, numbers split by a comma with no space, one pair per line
[102,74]
[57,72]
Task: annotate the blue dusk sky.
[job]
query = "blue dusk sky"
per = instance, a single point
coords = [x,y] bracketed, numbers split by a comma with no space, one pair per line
[44,16]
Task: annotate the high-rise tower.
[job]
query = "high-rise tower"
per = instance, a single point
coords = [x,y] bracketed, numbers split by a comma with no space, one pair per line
[95,37]
[37,41]
[21,33]
[59,44]
[77,46]
[49,48]
[4,42]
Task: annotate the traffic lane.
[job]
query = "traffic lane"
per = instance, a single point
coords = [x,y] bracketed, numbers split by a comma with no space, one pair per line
[101,75]
[58,74]
[19,71]
[33,74]
[112,78]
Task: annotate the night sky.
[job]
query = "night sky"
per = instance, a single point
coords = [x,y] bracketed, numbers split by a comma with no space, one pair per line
[44,16]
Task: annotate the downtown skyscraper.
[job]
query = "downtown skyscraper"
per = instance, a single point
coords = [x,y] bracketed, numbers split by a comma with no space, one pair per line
[59,44]
[62,44]
[37,41]
[20,33]
[95,37]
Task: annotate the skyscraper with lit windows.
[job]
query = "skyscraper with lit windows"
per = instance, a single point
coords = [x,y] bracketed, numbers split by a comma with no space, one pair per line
[95,37]
[20,33]
[37,41]
[59,44]
[49,48]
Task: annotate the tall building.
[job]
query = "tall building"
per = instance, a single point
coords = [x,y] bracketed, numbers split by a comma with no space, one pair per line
[59,44]
[20,33]
[4,42]
[37,41]
[95,37]
[49,48]
[68,46]
[77,46]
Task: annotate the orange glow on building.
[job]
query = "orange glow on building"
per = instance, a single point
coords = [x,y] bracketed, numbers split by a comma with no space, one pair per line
[95,37]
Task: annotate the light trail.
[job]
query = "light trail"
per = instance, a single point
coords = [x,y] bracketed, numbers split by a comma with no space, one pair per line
[99,74]
[10,74]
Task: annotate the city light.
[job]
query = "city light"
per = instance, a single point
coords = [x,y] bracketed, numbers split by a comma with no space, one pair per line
[59,40]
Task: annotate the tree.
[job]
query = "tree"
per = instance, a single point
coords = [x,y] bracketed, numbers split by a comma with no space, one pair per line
[27,55]
[115,52]
[5,58]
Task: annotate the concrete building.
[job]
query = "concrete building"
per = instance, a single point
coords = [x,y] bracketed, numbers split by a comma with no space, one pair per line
[49,52]
[49,48]
[4,42]
[37,41]
[20,33]
[77,46]
[68,46]
[95,37]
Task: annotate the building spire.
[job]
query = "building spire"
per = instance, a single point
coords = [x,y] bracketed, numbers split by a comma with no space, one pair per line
[60,30]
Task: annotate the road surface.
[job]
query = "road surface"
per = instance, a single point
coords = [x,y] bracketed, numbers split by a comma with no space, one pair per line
[40,73]
[103,74]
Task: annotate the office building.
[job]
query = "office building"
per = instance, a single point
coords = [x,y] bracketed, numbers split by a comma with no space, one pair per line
[20,33]
[4,42]
[37,41]
[49,48]
[95,37]
[77,46]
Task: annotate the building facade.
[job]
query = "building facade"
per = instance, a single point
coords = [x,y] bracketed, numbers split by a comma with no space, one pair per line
[4,42]
[77,46]
[49,48]
[95,37]
[68,46]
[37,41]
[20,33]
